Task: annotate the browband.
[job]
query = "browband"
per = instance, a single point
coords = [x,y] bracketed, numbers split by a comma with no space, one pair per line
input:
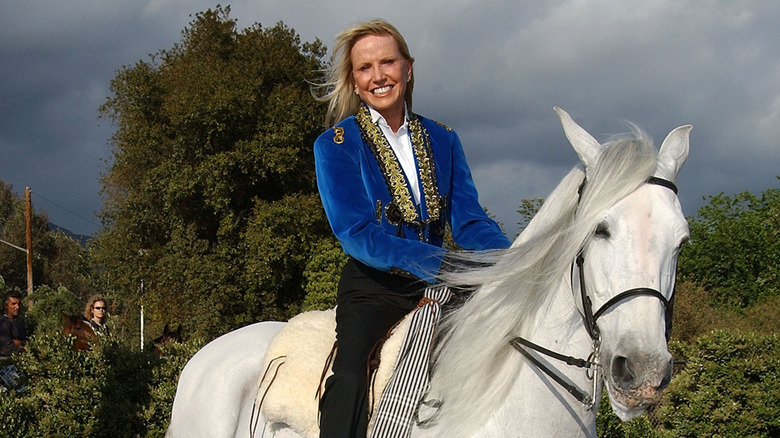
[663,183]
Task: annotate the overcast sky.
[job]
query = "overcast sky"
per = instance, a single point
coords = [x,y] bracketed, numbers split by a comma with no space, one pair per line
[490,69]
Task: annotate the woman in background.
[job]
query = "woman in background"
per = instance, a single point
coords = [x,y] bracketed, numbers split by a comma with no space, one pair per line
[96,313]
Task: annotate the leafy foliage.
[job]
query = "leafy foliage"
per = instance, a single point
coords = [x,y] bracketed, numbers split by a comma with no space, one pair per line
[211,198]
[46,314]
[62,386]
[728,388]
[58,260]
[735,248]
[108,392]
[696,315]
[609,425]
[162,390]
[527,210]
[322,276]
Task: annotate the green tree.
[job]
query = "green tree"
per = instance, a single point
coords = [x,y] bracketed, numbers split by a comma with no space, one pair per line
[210,198]
[734,250]
[527,210]
[13,229]
[58,260]
[322,276]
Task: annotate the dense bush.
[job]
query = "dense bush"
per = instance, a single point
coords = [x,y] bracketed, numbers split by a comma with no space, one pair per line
[734,250]
[322,276]
[729,388]
[695,315]
[111,391]
[165,376]
[62,385]
[609,425]
[46,314]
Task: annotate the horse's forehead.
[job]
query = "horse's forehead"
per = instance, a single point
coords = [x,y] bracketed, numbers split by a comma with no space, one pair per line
[649,209]
[645,228]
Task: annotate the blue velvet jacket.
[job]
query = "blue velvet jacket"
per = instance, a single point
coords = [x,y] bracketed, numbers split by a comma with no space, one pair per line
[363,212]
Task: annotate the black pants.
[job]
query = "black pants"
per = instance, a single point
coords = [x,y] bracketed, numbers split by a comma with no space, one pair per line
[369,302]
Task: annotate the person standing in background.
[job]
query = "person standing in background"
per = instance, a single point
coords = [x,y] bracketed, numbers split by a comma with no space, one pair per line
[13,336]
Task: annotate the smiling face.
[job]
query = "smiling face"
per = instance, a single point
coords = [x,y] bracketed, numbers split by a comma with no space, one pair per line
[380,74]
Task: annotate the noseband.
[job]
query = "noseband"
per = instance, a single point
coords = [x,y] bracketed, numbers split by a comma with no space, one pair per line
[589,318]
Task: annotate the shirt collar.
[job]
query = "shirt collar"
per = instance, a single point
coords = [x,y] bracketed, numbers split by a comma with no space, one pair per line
[376,117]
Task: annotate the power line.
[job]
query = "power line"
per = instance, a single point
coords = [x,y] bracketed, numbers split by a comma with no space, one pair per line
[37,195]
[11,244]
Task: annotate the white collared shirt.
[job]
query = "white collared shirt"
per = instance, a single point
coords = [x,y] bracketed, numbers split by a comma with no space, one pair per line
[401,143]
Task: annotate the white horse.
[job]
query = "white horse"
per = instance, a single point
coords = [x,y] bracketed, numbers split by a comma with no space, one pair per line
[590,281]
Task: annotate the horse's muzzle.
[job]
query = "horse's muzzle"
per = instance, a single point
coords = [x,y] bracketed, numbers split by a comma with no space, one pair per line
[638,383]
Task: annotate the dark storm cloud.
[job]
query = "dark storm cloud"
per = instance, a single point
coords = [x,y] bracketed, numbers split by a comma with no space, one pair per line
[491,69]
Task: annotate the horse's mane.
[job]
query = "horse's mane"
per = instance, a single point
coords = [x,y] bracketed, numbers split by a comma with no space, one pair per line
[474,364]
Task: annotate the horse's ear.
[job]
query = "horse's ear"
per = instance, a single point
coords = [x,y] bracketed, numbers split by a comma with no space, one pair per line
[587,147]
[165,329]
[673,153]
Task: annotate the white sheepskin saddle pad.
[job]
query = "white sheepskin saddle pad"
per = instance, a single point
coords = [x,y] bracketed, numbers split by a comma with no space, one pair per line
[292,377]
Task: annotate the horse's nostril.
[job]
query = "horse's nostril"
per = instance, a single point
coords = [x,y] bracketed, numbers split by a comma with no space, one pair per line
[629,375]
[622,372]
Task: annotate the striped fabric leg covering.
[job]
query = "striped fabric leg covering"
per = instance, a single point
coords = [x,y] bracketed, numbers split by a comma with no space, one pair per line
[397,406]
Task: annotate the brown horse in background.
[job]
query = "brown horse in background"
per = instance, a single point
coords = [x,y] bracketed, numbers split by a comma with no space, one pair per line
[78,327]
[167,336]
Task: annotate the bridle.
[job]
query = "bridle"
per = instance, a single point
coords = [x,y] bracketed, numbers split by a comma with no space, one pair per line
[592,364]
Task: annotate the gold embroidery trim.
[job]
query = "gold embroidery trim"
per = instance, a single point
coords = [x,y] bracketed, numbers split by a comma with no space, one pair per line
[421,144]
[391,168]
[443,125]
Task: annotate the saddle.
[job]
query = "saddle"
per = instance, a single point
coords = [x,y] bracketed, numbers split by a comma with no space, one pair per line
[297,363]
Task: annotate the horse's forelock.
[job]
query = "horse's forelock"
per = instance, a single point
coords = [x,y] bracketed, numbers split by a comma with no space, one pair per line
[625,164]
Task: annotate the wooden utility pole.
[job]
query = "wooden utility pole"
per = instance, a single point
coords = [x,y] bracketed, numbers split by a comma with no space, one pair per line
[28,214]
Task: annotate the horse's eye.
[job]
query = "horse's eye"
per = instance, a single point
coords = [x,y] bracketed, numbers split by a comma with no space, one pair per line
[602,230]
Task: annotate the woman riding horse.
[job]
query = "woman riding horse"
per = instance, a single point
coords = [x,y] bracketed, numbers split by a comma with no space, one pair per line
[391,182]
[591,279]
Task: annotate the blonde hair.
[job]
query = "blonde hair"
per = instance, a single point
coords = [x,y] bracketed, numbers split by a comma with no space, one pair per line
[336,88]
[91,303]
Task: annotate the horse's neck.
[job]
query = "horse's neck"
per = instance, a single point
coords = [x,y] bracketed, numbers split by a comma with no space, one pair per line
[536,399]
[536,405]
[559,325]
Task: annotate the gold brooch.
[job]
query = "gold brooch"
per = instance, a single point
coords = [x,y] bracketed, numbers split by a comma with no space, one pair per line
[338,135]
